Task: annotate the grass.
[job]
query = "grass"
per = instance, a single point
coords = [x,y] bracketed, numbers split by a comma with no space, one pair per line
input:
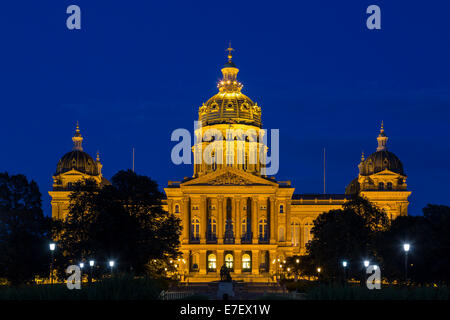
[118,288]
[385,293]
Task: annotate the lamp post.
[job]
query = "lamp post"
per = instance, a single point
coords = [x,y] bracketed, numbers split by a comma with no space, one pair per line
[52,247]
[366,263]
[81,270]
[91,265]
[406,248]
[111,265]
[344,265]
[318,273]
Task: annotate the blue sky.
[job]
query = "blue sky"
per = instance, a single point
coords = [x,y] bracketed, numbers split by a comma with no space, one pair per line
[138,70]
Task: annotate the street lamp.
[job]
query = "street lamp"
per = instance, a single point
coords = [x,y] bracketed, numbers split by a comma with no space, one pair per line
[366,263]
[406,248]
[52,247]
[91,265]
[111,265]
[344,264]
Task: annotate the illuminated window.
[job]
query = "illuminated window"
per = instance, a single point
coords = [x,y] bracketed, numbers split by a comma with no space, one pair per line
[307,235]
[229,261]
[281,234]
[194,262]
[246,262]
[244,226]
[177,208]
[212,262]
[295,233]
[281,208]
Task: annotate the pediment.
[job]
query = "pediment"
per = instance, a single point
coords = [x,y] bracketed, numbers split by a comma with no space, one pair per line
[386,172]
[230,177]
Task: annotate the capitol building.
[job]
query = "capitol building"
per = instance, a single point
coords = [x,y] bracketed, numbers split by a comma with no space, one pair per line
[232,213]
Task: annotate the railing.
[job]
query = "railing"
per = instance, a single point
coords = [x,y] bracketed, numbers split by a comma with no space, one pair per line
[247,237]
[211,237]
[194,238]
[263,239]
[175,295]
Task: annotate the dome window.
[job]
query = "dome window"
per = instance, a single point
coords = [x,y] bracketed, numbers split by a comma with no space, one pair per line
[230,106]
[214,107]
[244,107]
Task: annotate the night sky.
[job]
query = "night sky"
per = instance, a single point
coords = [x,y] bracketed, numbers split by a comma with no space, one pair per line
[137,70]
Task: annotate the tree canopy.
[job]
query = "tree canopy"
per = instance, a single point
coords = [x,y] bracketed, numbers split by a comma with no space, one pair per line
[24,231]
[123,221]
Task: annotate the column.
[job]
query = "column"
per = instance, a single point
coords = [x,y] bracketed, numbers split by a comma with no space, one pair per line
[219,261]
[203,218]
[238,218]
[272,257]
[255,261]
[237,261]
[220,220]
[255,217]
[202,262]
[273,213]
[288,222]
[185,219]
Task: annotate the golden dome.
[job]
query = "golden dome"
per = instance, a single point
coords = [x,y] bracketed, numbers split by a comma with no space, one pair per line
[230,105]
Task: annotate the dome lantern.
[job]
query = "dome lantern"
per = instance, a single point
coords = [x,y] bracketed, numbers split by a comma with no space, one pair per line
[77,139]
[382,139]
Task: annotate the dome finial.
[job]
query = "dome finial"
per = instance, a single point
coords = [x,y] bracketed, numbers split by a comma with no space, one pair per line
[77,139]
[98,156]
[229,49]
[362,156]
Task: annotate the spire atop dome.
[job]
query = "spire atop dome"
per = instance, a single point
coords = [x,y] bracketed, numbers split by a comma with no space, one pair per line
[77,139]
[382,139]
[229,49]
[229,81]
[362,156]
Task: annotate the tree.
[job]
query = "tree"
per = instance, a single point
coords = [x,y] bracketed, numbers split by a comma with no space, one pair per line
[429,237]
[24,231]
[124,221]
[338,235]
[348,233]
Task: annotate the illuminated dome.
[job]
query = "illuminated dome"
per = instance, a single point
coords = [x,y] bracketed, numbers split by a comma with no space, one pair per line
[77,159]
[230,105]
[382,160]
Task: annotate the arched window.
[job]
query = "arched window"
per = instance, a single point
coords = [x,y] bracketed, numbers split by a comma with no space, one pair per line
[307,235]
[194,262]
[177,208]
[195,229]
[212,262]
[295,233]
[263,228]
[281,208]
[281,234]
[380,186]
[246,262]
[389,186]
[229,261]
